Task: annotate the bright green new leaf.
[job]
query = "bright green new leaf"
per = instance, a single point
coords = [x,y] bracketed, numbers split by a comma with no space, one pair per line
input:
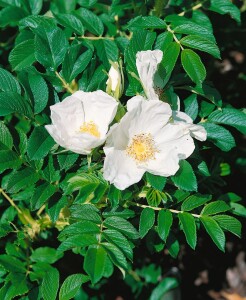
[189,227]
[147,220]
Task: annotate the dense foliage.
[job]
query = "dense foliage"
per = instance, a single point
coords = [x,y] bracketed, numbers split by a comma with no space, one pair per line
[58,213]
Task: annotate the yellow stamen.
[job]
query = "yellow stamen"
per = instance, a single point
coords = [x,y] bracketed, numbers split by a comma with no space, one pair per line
[90,128]
[142,148]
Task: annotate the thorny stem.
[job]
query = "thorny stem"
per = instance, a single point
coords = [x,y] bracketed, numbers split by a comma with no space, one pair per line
[160,208]
[174,36]
[11,201]
[64,83]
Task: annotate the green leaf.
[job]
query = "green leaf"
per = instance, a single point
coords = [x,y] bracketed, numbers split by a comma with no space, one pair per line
[11,102]
[141,40]
[75,62]
[163,40]
[238,209]
[229,223]
[107,51]
[215,232]
[116,255]
[22,55]
[85,212]
[157,182]
[147,220]
[67,160]
[169,60]
[193,66]
[195,201]
[5,136]
[185,178]
[50,284]
[202,44]
[45,255]
[229,116]
[71,21]
[50,46]
[172,245]
[78,240]
[154,197]
[215,207]
[21,179]
[94,262]
[225,7]
[41,195]
[87,3]
[191,106]
[220,136]
[121,225]
[40,92]
[119,240]
[12,264]
[164,223]
[90,21]
[163,287]
[114,196]
[9,160]
[189,227]
[39,143]
[71,285]
[79,228]
[148,22]
[10,15]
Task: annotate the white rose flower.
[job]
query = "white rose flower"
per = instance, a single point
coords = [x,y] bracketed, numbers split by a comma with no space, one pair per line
[80,122]
[146,140]
[147,63]
[114,82]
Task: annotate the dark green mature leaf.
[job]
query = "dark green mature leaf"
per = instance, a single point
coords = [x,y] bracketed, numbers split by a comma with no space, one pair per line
[172,245]
[157,182]
[21,179]
[90,21]
[94,262]
[150,22]
[193,66]
[191,106]
[67,160]
[80,228]
[10,15]
[220,136]
[39,143]
[225,7]
[230,116]
[147,220]
[5,136]
[185,178]
[202,44]
[107,51]
[75,62]
[164,223]
[22,55]
[114,196]
[169,60]
[9,160]
[189,228]
[121,225]
[163,40]
[116,255]
[195,201]
[141,40]
[215,232]
[78,240]
[85,212]
[71,285]
[50,45]
[229,223]
[45,255]
[12,264]
[40,92]
[119,240]
[163,287]
[11,102]
[18,286]
[5,229]
[72,22]
[215,207]
[41,195]
[50,284]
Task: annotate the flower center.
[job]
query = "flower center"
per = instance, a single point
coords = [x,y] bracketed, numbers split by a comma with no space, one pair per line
[90,128]
[142,148]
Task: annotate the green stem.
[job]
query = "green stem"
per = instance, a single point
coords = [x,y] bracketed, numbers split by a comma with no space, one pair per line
[174,36]
[92,38]
[11,201]
[64,83]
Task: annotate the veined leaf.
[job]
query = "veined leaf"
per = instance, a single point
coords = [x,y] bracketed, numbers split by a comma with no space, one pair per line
[189,228]
[229,223]
[191,106]
[195,201]
[79,228]
[116,255]
[121,225]
[78,240]
[5,136]
[163,287]
[147,220]
[50,284]
[141,22]
[71,285]
[165,220]
[215,207]
[90,21]
[157,182]
[42,194]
